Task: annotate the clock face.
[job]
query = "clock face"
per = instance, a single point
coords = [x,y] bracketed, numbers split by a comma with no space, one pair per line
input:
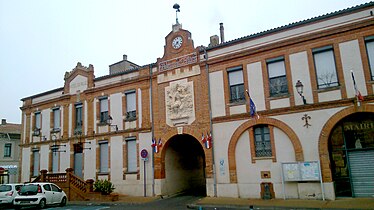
[177,42]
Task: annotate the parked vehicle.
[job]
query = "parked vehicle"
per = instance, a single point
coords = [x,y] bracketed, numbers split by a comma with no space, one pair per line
[8,192]
[40,194]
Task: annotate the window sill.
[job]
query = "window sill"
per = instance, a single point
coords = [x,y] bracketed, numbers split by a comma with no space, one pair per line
[131,119]
[279,96]
[102,124]
[264,158]
[133,172]
[322,90]
[102,173]
[55,130]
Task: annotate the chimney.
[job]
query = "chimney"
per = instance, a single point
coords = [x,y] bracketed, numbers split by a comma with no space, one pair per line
[214,40]
[124,57]
[3,121]
[222,33]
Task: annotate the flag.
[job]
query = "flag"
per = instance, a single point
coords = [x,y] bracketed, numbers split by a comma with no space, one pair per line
[357,92]
[154,146]
[203,139]
[208,143]
[159,143]
[252,106]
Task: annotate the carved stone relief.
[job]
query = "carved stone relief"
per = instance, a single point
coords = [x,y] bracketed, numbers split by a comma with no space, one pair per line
[179,99]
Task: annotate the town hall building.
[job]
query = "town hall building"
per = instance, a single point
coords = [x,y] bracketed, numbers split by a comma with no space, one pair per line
[284,113]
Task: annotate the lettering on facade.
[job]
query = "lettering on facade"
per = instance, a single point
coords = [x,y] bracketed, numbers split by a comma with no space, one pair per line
[179,101]
[78,84]
[178,62]
[358,126]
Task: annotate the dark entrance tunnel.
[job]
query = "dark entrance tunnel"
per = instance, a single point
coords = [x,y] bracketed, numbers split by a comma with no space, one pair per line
[185,166]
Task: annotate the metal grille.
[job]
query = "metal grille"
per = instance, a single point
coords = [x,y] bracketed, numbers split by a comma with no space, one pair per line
[362,172]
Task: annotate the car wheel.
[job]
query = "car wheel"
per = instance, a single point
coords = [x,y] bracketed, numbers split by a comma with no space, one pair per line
[42,204]
[63,201]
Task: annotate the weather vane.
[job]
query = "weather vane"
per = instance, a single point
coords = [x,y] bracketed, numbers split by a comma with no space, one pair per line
[176,7]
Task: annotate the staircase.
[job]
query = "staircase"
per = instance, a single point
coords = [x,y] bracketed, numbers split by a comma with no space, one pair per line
[75,188]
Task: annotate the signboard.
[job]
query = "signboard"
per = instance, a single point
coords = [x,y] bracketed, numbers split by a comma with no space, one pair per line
[301,171]
[144,154]
[178,62]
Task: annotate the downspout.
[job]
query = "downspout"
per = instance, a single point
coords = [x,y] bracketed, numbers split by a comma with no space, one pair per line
[211,124]
[152,129]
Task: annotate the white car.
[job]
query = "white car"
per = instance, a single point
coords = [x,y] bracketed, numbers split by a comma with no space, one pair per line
[8,192]
[39,194]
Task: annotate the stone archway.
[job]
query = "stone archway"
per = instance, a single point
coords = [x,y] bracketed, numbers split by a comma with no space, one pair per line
[263,120]
[325,134]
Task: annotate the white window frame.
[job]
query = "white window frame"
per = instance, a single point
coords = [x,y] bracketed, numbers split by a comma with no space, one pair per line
[369,45]
[278,84]
[132,161]
[56,119]
[325,66]
[7,150]
[236,84]
[36,159]
[104,156]
[130,105]
[104,109]
[262,141]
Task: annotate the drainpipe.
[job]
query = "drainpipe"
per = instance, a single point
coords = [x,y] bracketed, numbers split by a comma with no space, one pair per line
[211,124]
[152,129]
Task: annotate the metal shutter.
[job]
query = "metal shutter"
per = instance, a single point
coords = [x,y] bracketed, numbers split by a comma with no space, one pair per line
[362,172]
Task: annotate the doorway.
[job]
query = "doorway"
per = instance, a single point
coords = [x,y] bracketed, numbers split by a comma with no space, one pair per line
[185,166]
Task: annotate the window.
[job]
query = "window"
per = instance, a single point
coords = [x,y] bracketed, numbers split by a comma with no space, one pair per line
[35,171]
[37,120]
[324,63]
[55,161]
[236,84]
[56,119]
[130,105]
[369,42]
[104,157]
[262,141]
[78,118]
[131,155]
[277,76]
[104,110]
[47,187]
[8,150]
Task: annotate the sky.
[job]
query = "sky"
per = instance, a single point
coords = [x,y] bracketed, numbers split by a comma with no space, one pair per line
[42,39]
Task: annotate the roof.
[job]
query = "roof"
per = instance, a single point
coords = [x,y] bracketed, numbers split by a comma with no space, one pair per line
[291,25]
[10,128]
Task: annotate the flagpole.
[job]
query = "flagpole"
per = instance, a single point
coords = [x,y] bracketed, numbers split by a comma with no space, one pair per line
[355,87]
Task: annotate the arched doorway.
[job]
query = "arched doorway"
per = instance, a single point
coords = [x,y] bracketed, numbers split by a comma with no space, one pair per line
[351,150]
[185,166]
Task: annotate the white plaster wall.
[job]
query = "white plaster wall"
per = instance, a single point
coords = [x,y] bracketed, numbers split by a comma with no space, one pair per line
[85,120]
[309,137]
[140,116]
[116,159]
[222,133]
[329,96]
[315,27]
[351,61]
[23,140]
[116,110]
[70,118]
[95,121]
[145,140]
[300,71]
[237,109]
[217,94]
[255,85]
[44,157]
[117,79]
[26,154]
[90,160]
[62,110]
[47,97]
[279,103]
[79,83]
[65,158]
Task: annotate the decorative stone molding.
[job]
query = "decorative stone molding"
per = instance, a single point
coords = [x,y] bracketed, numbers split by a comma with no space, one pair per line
[179,99]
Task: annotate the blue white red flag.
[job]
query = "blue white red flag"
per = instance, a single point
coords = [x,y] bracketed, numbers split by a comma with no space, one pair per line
[357,92]
[154,145]
[159,143]
[208,142]
[203,139]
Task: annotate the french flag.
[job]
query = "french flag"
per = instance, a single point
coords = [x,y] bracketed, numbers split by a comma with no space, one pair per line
[159,143]
[208,142]
[154,145]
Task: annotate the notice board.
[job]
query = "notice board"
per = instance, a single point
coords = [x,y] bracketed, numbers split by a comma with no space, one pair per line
[301,171]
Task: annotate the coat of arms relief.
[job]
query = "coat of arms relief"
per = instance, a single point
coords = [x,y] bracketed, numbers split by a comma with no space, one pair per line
[179,100]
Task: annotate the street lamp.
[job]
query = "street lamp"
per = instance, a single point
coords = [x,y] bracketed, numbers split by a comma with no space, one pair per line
[109,122]
[299,88]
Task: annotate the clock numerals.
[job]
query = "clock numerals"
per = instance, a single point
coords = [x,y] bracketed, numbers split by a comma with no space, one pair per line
[177,42]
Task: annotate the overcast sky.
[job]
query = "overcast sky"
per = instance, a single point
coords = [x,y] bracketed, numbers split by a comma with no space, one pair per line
[42,39]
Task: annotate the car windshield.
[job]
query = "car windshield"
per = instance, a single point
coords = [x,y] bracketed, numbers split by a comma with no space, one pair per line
[29,190]
[5,188]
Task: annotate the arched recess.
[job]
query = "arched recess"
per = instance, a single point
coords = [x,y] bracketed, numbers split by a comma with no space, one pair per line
[325,134]
[159,158]
[263,120]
